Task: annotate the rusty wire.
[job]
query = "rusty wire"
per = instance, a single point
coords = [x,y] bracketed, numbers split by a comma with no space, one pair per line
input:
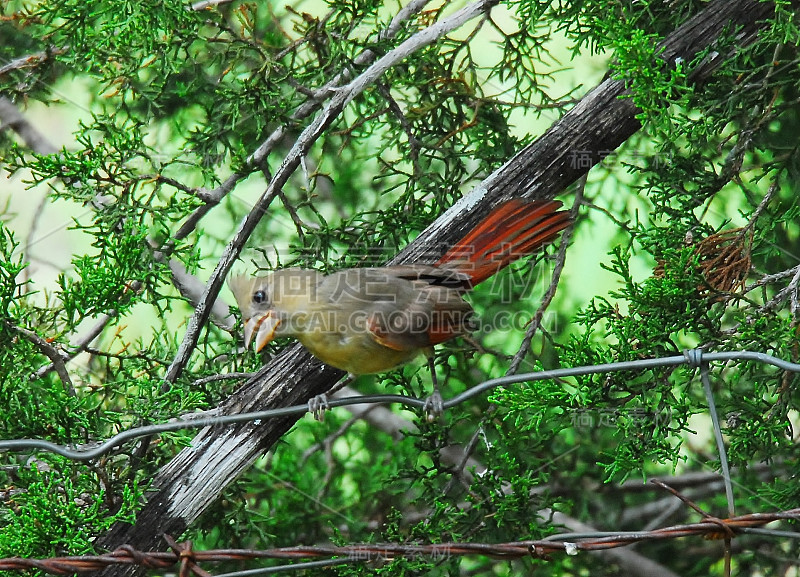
[189,559]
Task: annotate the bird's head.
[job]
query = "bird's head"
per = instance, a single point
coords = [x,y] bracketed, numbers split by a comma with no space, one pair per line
[271,302]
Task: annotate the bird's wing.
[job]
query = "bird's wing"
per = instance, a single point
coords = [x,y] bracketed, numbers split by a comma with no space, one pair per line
[429,274]
[404,307]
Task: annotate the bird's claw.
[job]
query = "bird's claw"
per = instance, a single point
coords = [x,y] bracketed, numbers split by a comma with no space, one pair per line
[434,406]
[318,405]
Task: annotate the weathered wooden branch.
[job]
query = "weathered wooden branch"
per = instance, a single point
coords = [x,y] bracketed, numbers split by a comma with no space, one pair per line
[599,123]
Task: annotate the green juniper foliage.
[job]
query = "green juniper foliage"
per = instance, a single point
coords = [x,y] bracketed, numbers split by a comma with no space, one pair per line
[693,221]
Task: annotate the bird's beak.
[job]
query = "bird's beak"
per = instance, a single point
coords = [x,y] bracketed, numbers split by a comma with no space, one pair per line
[263,326]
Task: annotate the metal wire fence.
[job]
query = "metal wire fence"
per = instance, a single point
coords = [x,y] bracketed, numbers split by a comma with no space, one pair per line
[692,357]
[569,543]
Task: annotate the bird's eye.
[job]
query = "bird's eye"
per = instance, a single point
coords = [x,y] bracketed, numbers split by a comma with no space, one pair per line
[260,296]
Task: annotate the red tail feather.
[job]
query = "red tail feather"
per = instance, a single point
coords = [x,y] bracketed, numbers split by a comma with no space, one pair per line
[515,229]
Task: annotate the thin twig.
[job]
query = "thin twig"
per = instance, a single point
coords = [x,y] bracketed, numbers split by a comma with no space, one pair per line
[221,377]
[81,344]
[50,352]
[31,60]
[771,278]
[789,291]
[191,288]
[773,188]
[414,144]
[561,258]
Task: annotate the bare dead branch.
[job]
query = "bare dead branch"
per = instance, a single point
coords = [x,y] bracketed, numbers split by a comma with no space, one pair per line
[11,117]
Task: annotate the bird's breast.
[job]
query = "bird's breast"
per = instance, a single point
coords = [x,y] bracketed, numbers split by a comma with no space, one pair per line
[356,353]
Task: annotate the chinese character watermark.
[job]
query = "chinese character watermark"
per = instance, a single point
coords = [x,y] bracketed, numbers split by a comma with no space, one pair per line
[584,418]
[586,159]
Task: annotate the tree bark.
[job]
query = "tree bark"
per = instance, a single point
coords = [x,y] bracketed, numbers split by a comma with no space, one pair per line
[598,124]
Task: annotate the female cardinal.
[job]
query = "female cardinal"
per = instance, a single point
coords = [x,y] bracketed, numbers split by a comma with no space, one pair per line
[370,320]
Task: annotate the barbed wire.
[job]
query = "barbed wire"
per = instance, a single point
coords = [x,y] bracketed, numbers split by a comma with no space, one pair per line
[694,358]
[569,543]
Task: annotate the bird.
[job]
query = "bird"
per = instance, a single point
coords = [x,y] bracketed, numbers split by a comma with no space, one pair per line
[374,319]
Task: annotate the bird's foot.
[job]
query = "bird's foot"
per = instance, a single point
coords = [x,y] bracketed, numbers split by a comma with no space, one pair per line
[318,405]
[434,406]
